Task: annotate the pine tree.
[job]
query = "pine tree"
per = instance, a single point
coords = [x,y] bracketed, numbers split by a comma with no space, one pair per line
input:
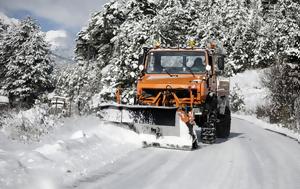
[283,81]
[3,31]
[27,61]
[116,35]
[282,48]
[117,43]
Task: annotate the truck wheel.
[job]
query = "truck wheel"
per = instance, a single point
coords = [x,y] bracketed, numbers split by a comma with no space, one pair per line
[200,120]
[223,127]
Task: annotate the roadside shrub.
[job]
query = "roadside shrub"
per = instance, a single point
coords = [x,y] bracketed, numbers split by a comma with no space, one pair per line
[237,99]
[262,111]
[283,83]
[27,125]
[297,114]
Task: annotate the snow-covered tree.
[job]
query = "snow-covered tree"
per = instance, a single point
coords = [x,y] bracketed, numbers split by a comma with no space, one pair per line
[283,79]
[297,113]
[26,59]
[283,82]
[115,44]
[3,31]
[236,99]
[245,38]
[280,33]
[114,37]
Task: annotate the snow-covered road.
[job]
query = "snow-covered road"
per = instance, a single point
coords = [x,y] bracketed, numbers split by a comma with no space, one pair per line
[251,158]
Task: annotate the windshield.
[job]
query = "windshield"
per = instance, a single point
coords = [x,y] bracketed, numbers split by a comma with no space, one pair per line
[176,62]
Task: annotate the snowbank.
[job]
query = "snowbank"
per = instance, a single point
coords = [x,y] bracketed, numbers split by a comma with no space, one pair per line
[4,100]
[268,126]
[72,151]
[27,125]
[252,90]
[255,95]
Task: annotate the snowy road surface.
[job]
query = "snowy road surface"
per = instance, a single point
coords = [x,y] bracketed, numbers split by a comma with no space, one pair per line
[252,158]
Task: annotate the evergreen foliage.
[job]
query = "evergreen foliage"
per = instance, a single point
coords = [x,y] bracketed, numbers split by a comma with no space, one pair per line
[3,30]
[283,81]
[236,99]
[255,34]
[25,59]
[283,78]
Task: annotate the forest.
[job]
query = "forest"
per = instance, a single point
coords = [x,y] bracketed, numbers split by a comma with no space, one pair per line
[262,34]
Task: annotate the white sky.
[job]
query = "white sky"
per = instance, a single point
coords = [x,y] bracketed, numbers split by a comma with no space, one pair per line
[71,13]
[60,19]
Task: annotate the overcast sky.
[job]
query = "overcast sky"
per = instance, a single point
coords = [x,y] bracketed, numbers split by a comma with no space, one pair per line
[62,19]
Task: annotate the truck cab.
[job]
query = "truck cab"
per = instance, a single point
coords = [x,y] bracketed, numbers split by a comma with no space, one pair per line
[180,77]
[178,89]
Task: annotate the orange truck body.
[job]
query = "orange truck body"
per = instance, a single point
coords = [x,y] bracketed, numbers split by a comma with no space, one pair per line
[180,90]
[178,85]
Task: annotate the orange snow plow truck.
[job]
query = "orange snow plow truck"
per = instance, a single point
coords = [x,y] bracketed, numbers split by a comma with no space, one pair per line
[180,91]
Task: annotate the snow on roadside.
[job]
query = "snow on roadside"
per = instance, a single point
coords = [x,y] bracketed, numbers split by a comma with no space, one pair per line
[255,95]
[72,151]
[251,88]
[268,126]
[27,125]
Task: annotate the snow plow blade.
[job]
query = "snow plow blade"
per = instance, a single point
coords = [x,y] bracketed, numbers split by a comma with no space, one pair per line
[158,126]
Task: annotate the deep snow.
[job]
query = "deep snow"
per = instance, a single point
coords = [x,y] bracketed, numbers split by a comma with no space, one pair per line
[250,88]
[80,146]
[251,158]
[255,94]
[85,152]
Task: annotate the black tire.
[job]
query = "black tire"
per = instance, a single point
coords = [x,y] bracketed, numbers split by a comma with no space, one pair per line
[223,127]
[208,133]
[199,120]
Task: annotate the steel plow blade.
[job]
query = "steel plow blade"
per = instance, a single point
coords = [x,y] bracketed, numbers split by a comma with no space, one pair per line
[158,126]
[154,115]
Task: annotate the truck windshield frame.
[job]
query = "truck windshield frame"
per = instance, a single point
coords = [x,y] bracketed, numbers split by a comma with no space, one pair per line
[176,62]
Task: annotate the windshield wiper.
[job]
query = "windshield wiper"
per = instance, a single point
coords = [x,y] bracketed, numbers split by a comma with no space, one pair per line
[164,69]
[190,70]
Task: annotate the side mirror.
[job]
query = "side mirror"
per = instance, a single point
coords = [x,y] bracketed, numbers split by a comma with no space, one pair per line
[208,68]
[141,67]
[141,59]
[221,62]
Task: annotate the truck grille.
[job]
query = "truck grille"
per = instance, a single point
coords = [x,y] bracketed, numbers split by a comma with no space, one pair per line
[180,93]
